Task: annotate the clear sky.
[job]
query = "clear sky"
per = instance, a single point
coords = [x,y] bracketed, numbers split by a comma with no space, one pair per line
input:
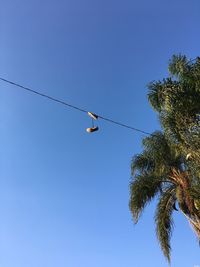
[64,193]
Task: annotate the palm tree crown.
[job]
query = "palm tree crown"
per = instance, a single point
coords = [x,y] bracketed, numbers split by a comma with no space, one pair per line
[160,171]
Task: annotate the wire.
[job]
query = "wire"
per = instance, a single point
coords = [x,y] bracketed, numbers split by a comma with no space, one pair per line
[71,106]
[124,125]
[43,95]
[77,108]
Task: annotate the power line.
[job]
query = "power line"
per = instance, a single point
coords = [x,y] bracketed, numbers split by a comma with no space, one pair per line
[72,106]
[43,95]
[124,125]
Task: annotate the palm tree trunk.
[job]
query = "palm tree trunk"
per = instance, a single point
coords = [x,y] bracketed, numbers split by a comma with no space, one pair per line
[186,202]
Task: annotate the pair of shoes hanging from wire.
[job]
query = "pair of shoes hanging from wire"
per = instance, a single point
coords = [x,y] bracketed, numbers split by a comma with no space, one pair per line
[93,128]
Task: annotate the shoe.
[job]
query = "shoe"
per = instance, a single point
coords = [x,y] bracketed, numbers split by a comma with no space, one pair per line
[93,116]
[93,129]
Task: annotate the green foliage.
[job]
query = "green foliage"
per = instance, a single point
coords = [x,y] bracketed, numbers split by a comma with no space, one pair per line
[143,189]
[177,100]
[150,178]
[164,221]
[178,65]
[169,166]
[159,93]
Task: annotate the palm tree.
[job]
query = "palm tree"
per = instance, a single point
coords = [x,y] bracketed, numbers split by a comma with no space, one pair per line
[161,171]
[177,101]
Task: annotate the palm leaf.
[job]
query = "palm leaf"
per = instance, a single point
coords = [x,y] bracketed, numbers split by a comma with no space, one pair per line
[142,190]
[178,65]
[142,163]
[164,221]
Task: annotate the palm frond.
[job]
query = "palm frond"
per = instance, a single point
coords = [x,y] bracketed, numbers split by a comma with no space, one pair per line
[143,189]
[161,152]
[141,163]
[178,65]
[164,221]
[155,95]
[161,94]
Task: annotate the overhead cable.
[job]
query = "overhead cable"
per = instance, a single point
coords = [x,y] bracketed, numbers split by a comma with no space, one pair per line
[71,106]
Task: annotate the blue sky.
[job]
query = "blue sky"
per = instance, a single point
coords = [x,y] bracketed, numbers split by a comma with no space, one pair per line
[64,193]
